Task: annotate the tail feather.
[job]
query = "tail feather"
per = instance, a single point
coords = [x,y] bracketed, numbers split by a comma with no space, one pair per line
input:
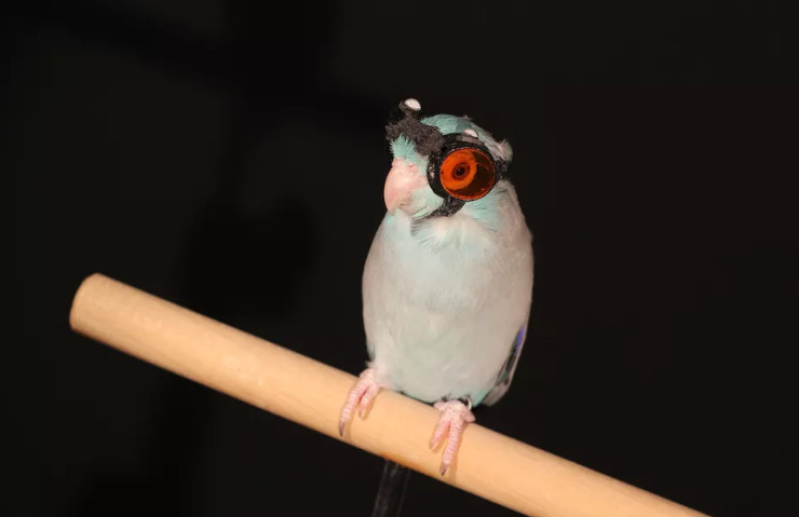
[391,493]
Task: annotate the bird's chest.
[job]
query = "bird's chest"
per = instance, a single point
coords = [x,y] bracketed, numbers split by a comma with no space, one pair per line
[443,274]
[438,315]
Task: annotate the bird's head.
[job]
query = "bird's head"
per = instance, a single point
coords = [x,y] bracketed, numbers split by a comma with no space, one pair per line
[441,163]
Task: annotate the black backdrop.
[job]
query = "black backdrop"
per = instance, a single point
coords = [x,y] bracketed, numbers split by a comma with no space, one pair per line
[229,156]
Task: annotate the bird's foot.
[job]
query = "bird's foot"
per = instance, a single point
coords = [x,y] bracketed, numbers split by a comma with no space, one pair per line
[455,414]
[361,395]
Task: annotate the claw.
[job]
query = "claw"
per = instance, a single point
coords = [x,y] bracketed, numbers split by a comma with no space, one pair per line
[454,417]
[361,395]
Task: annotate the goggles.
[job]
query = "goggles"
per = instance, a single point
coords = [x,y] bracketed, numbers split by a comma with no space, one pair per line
[460,167]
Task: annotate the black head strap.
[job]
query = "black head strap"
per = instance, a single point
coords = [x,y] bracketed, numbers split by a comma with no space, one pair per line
[450,206]
[406,120]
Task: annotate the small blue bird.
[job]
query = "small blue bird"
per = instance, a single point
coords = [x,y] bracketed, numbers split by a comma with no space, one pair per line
[448,281]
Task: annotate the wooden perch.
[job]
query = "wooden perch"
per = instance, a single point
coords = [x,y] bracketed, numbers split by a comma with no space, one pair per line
[493,466]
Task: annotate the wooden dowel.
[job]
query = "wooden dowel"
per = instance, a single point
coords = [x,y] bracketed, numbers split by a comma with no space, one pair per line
[493,466]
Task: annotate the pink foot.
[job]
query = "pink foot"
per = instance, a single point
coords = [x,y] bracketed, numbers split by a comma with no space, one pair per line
[454,417]
[361,395]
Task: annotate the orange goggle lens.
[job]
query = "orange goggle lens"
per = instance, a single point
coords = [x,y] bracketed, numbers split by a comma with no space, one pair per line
[467,174]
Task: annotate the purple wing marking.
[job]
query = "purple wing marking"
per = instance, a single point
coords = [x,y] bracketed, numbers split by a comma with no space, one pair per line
[506,374]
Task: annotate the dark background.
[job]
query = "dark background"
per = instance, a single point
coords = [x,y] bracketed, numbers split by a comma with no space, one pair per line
[229,156]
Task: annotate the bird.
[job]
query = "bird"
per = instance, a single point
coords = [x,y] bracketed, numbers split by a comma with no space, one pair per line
[448,281]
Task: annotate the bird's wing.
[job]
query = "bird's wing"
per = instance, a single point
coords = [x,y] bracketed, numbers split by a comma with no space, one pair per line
[508,369]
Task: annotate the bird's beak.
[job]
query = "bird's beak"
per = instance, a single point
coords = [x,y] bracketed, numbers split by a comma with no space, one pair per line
[402,180]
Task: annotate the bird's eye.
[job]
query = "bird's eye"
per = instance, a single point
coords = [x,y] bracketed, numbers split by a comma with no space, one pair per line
[467,174]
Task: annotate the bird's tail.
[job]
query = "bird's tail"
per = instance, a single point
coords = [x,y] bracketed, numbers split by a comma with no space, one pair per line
[393,482]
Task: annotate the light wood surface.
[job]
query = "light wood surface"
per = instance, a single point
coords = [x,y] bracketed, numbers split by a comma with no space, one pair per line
[493,466]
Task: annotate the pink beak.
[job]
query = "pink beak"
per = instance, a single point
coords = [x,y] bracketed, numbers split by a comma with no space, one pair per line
[402,180]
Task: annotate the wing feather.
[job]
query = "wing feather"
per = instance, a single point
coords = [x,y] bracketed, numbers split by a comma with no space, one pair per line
[506,374]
